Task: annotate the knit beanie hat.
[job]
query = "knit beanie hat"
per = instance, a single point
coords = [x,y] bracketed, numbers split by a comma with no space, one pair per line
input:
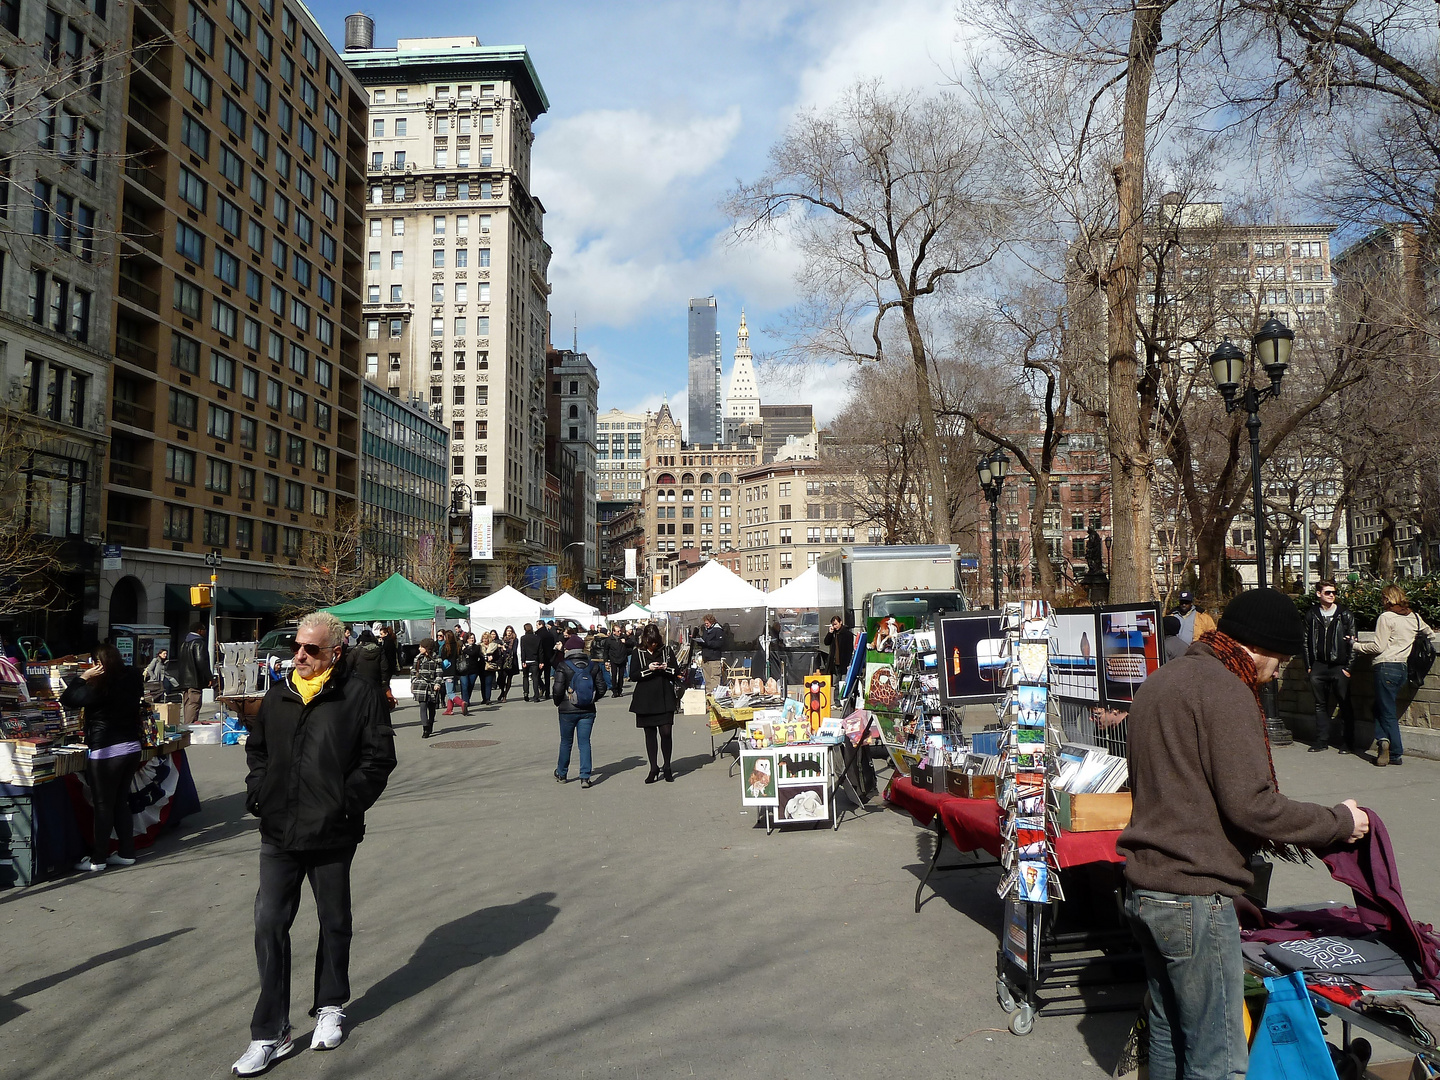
[1264,619]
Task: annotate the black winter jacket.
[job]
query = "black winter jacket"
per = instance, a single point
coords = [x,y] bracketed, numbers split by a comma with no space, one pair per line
[368,663]
[545,646]
[654,690]
[712,642]
[112,707]
[1329,644]
[315,769]
[619,647]
[561,682]
[529,647]
[194,668]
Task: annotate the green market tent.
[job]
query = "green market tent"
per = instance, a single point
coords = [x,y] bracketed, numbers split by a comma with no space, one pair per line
[396,598]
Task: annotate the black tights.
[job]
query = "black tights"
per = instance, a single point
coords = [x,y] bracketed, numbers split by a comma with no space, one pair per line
[110,793]
[664,734]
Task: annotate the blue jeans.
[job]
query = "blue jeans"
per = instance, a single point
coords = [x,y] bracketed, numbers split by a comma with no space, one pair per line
[570,724]
[467,687]
[487,686]
[1389,678]
[1193,964]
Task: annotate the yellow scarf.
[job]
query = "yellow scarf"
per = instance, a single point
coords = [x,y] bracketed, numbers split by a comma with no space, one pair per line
[308,688]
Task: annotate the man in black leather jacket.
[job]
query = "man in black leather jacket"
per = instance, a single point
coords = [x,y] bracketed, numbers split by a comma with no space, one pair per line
[1329,652]
[320,752]
[621,645]
[529,663]
[194,674]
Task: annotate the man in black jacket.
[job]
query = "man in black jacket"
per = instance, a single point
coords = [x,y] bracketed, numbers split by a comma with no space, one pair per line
[621,645]
[194,674]
[712,650]
[1329,650]
[529,664]
[840,649]
[320,752]
[545,640]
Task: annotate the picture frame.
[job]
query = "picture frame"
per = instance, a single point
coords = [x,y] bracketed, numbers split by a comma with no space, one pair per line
[970,648]
[1075,654]
[1132,640]
[759,783]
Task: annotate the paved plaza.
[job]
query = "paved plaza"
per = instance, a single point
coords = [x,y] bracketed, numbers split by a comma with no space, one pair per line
[507,926]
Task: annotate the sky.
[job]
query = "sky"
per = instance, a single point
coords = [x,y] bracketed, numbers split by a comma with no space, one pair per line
[657,110]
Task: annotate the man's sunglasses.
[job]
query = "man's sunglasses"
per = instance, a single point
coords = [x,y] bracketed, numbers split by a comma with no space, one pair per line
[1327,592]
[311,649]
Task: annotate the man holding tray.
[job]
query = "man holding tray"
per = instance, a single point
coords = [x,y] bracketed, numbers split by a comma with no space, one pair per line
[1206,800]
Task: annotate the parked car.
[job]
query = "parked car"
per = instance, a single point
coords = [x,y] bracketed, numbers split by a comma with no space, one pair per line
[279,642]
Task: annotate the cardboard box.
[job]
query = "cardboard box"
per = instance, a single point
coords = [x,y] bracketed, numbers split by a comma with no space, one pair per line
[693,702]
[1411,1068]
[980,787]
[1094,813]
[172,712]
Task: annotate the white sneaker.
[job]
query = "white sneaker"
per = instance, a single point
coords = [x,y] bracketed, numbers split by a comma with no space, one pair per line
[328,1021]
[262,1053]
[117,859]
[89,867]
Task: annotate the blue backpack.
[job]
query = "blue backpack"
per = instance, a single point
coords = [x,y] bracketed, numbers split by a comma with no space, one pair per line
[580,691]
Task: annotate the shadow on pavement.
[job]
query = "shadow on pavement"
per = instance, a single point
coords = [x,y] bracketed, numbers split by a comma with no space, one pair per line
[456,945]
[615,768]
[8,1007]
[694,763]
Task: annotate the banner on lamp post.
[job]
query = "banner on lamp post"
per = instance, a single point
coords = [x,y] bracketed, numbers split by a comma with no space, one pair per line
[482,532]
[630,563]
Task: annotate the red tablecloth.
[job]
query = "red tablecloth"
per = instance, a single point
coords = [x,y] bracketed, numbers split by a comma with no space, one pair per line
[974,825]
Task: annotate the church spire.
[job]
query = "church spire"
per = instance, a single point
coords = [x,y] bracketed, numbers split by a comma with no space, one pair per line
[743,400]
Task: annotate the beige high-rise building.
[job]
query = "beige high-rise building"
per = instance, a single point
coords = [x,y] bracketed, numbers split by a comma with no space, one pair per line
[456,288]
[620,456]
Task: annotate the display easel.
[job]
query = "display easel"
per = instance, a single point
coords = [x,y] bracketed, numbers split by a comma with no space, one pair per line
[811,754]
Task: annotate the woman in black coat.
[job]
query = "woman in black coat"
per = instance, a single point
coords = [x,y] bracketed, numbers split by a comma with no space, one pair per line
[654,700]
[110,694]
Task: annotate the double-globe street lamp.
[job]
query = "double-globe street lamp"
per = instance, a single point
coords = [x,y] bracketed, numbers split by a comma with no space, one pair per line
[1271,347]
[992,479]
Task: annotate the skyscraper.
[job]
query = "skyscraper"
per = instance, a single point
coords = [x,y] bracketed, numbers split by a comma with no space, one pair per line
[704,373]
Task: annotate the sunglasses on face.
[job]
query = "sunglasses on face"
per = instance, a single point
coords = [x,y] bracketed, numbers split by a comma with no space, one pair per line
[1327,592]
[311,649]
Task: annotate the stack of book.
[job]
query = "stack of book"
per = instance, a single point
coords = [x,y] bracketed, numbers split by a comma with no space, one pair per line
[27,761]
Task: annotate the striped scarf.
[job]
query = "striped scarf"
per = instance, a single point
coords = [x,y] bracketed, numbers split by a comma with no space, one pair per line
[1241,664]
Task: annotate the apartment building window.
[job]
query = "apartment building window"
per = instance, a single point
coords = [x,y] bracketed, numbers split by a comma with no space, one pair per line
[179,465]
[784,536]
[437,258]
[202,30]
[220,423]
[178,523]
[217,475]
[222,370]
[248,432]
[189,243]
[184,409]
[321,459]
[812,535]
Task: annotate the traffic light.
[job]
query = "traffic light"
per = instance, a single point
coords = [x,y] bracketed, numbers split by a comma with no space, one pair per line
[200,596]
[612,585]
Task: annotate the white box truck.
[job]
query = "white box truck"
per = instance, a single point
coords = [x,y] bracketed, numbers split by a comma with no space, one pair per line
[907,583]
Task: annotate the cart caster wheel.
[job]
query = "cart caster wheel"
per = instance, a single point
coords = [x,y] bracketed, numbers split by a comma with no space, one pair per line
[1003,995]
[1022,1022]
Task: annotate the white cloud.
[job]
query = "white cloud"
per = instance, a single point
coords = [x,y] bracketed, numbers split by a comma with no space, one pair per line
[824,386]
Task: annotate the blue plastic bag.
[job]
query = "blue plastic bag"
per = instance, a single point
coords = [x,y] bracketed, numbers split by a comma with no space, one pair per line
[1289,1044]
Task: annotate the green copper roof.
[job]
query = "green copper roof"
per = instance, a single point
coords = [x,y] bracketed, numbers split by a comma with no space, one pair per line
[510,62]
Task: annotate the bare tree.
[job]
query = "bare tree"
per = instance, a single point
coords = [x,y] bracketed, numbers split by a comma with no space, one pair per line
[29,558]
[431,563]
[332,568]
[891,198]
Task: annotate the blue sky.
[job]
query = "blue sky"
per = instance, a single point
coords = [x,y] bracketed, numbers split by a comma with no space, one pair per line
[656,110]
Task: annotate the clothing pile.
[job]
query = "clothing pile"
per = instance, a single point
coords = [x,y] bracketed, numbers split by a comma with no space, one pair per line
[1372,957]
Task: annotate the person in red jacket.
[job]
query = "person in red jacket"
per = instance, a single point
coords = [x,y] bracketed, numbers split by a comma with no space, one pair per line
[1205,800]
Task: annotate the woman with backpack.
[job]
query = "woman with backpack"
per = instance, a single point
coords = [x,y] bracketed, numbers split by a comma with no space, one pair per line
[110,694]
[1397,632]
[427,684]
[653,670]
[578,682]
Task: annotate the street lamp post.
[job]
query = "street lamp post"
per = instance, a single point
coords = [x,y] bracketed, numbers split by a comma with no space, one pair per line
[1271,347]
[992,478]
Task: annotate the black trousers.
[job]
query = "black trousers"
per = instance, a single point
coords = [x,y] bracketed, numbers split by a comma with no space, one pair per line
[1327,680]
[109,780]
[530,679]
[617,676]
[276,903]
[542,679]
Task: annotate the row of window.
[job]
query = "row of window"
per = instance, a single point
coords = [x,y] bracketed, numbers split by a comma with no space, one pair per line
[54,391]
[180,469]
[61,219]
[442,160]
[443,189]
[464,125]
[220,424]
[439,225]
[179,525]
[465,93]
[437,293]
[58,306]
[66,46]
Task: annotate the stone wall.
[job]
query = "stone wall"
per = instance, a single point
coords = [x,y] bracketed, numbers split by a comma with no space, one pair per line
[1419,708]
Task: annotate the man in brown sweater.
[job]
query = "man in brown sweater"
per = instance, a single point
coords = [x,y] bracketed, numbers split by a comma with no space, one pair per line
[1205,801]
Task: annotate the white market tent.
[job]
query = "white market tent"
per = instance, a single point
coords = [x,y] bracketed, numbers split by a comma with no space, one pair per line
[633,613]
[802,594]
[566,606]
[502,608]
[710,588]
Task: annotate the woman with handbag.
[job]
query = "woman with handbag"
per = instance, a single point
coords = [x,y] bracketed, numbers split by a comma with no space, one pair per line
[1395,632]
[110,694]
[470,663]
[493,655]
[510,662]
[427,684]
[654,700]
